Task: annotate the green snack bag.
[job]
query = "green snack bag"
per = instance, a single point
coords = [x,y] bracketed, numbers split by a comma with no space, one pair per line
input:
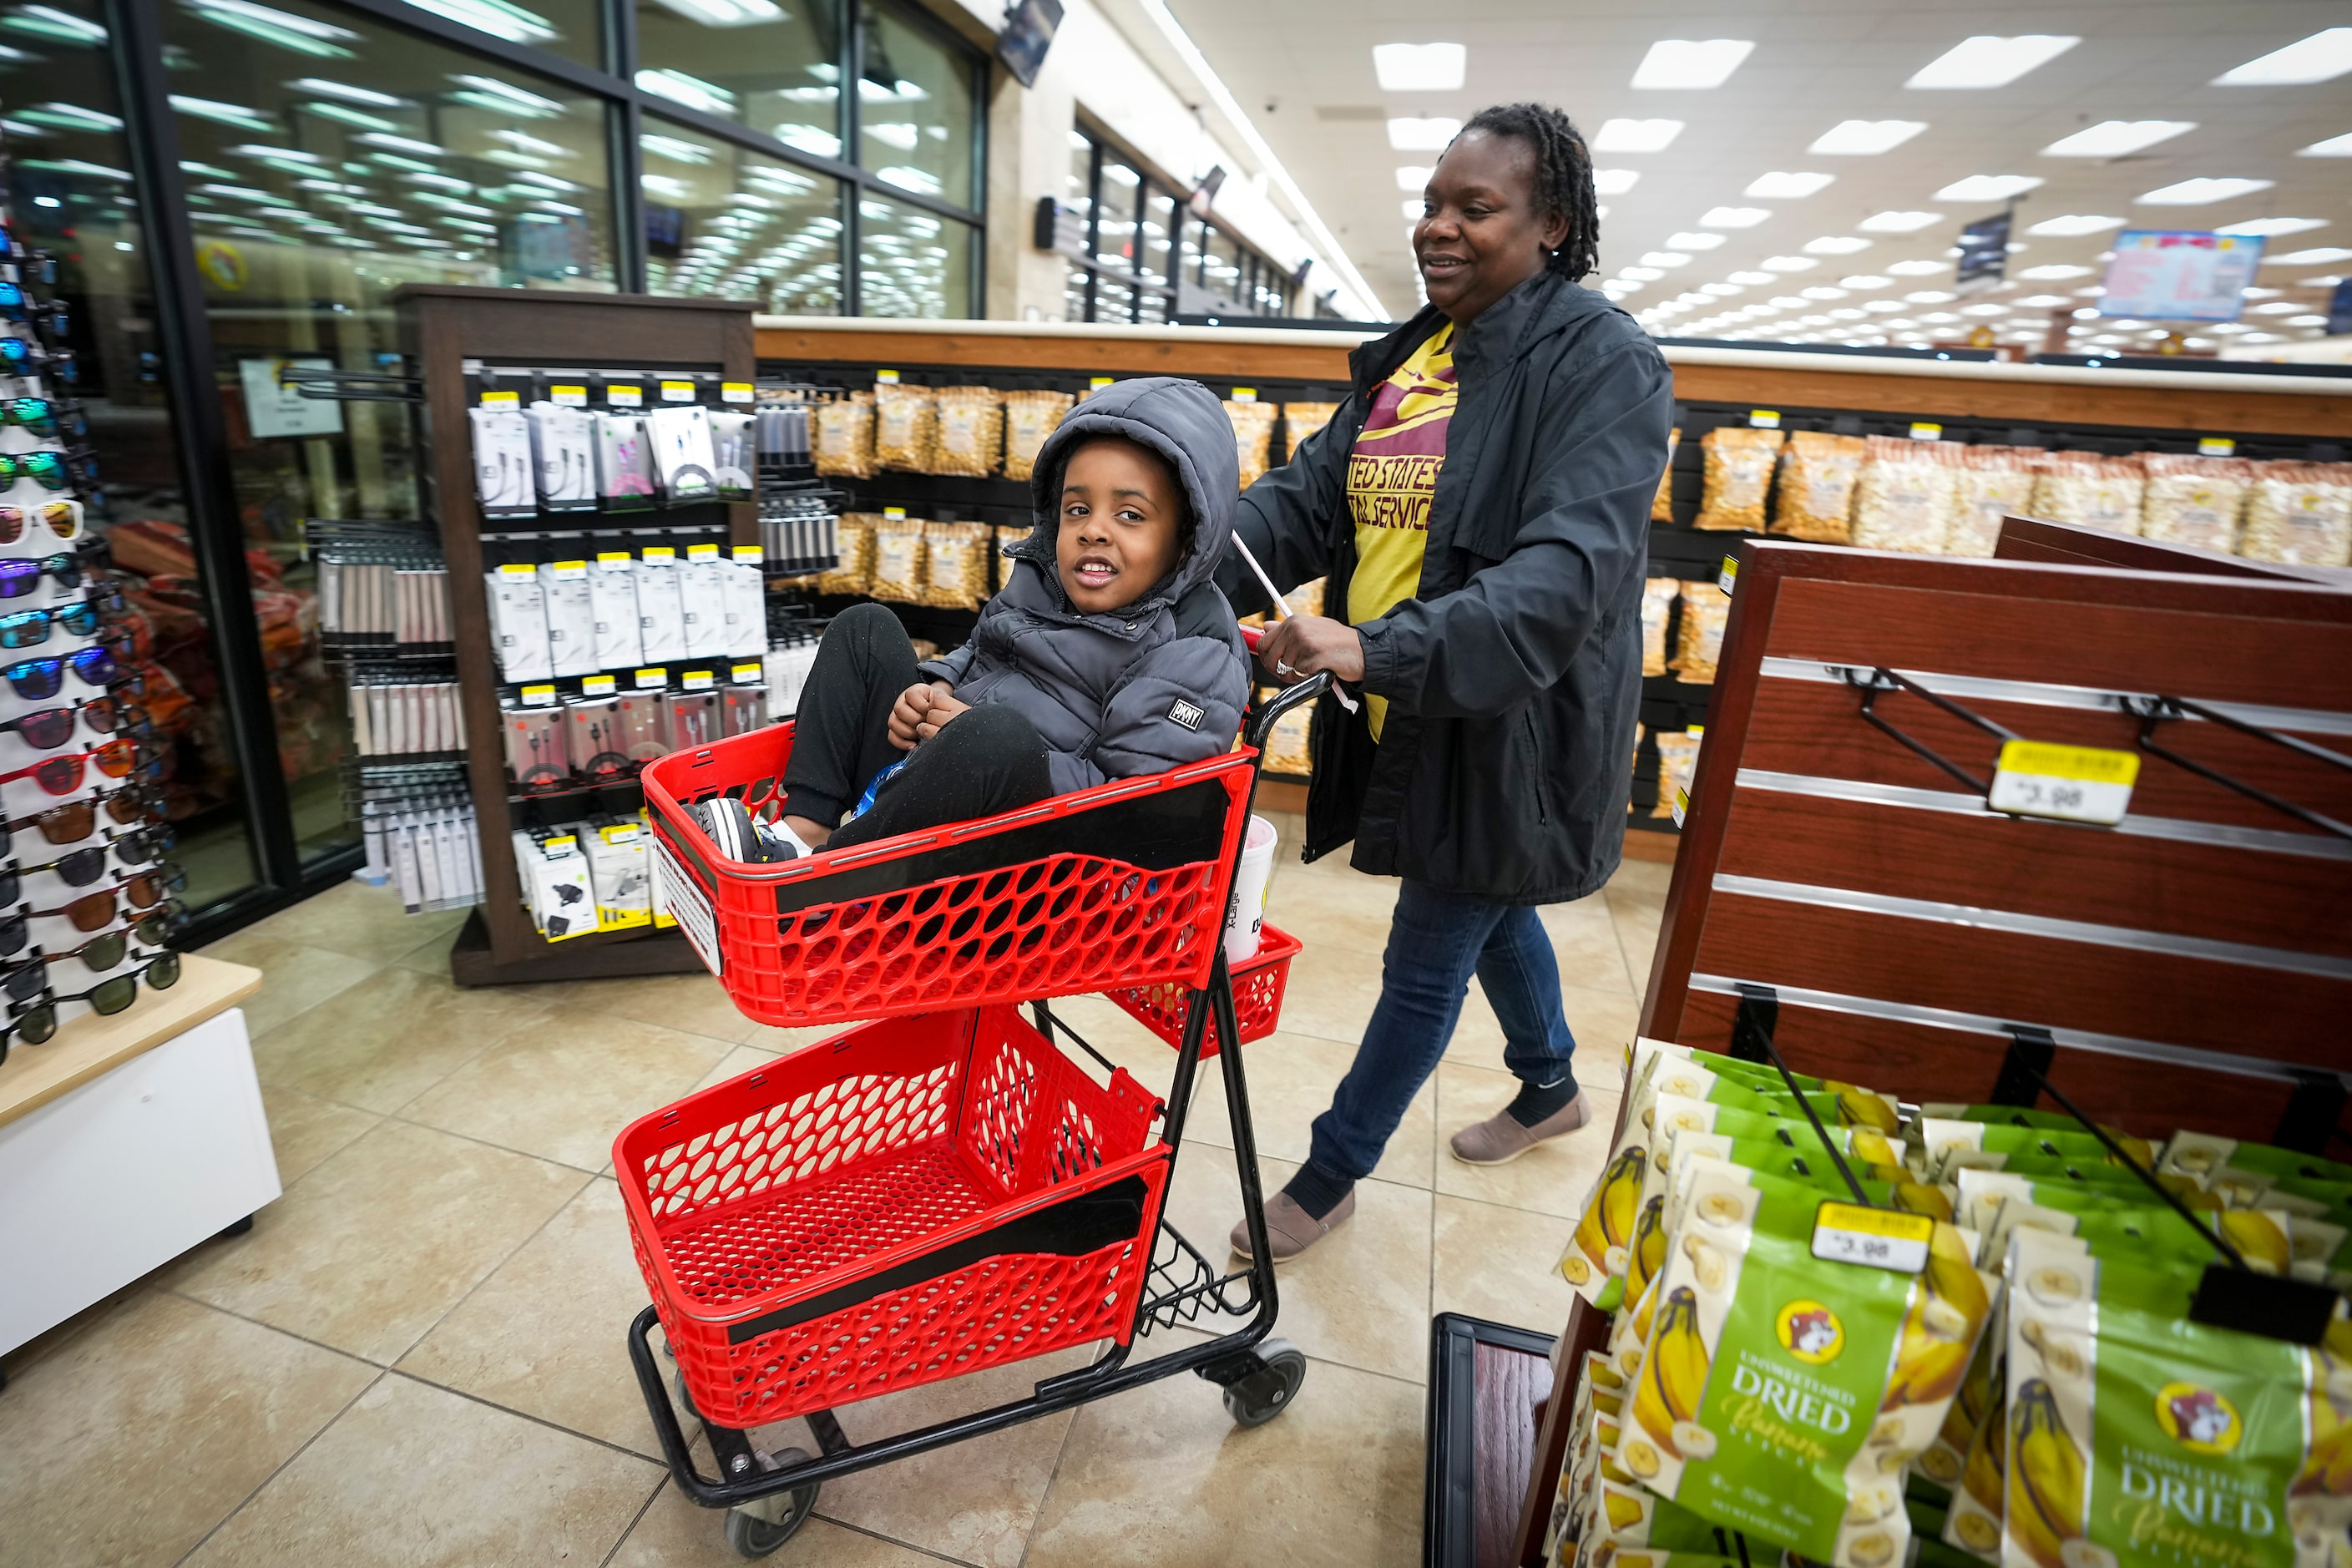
[1947,1144]
[2137,1438]
[1781,1393]
[2241,1172]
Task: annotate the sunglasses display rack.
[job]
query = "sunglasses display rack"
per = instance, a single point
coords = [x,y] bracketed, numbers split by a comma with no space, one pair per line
[85,907]
[599,522]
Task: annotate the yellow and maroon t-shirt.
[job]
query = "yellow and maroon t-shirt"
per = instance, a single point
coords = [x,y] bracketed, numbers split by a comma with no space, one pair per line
[1391,475]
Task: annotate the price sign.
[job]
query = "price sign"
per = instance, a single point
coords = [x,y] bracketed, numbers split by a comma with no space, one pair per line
[702,553]
[596,686]
[1730,575]
[1244,395]
[2215,445]
[697,679]
[626,397]
[539,697]
[895,513]
[620,833]
[1876,1238]
[745,674]
[568,396]
[2069,784]
[677,391]
[660,555]
[1680,807]
[1923,431]
[652,679]
[749,554]
[1764,418]
[886,377]
[517,571]
[501,400]
[569,569]
[734,392]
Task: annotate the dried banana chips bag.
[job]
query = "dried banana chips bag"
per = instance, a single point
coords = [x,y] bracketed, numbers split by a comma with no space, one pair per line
[1948,1144]
[2243,1171]
[1782,1394]
[2137,1438]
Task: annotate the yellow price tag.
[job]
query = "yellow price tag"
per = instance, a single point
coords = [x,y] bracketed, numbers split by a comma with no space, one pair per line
[2069,784]
[1878,1238]
[1764,418]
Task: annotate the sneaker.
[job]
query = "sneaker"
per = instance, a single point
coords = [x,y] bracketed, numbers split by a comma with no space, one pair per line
[736,835]
[1290,1229]
[1499,1140]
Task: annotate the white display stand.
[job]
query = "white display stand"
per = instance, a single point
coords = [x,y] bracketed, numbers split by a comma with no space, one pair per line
[124,1141]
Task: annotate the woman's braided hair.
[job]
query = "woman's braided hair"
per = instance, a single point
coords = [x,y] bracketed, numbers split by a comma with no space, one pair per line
[1563,177]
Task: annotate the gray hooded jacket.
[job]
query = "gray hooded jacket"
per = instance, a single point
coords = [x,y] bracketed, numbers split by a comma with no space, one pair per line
[1157,683]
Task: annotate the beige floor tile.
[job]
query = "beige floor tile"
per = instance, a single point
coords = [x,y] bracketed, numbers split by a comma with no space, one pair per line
[775,1041]
[1496,1263]
[1160,1476]
[545,1334]
[129,1442]
[1324,910]
[1602,1021]
[674,1533]
[1290,1078]
[1585,942]
[1331,992]
[433,958]
[1551,1178]
[381,1239]
[695,1002]
[359,920]
[295,978]
[1648,879]
[305,1130]
[414,1476]
[382,1042]
[1360,1297]
[563,1086]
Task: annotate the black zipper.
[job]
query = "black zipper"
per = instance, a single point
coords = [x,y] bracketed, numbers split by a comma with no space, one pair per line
[1535,751]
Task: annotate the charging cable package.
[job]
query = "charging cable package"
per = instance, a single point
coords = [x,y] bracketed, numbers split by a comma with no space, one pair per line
[519,623]
[624,468]
[661,607]
[693,718]
[745,590]
[643,732]
[555,880]
[592,726]
[570,617]
[743,708]
[502,465]
[537,752]
[563,445]
[612,601]
[682,458]
[702,594]
[621,876]
[730,443]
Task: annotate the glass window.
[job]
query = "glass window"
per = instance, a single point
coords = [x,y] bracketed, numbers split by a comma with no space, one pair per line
[1153,305]
[911,263]
[721,219]
[1221,273]
[1114,301]
[914,109]
[572,28]
[1073,293]
[1191,260]
[773,68]
[1151,236]
[1115,229]
[328,160]
[72,196]
[1078,189]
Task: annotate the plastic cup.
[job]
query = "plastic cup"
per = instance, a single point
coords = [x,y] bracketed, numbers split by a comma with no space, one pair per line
[1245,916]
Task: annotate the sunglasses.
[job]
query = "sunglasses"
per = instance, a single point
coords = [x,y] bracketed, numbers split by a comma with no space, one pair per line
[48,468]
[61,518]
[98,666]
[63,775]
[50,728]
[95,911]
[78,869]
[110,995]
[18,578]
[72,823]
[15,305]
[98,954]
[41,415]
[31,628]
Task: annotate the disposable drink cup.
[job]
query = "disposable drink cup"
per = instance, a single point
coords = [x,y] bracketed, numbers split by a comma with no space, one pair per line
[1247,915]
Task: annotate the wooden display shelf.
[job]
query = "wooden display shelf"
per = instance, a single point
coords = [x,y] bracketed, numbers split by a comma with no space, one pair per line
[90,1047]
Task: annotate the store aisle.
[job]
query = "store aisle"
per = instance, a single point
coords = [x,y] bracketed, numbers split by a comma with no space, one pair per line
[416,1357]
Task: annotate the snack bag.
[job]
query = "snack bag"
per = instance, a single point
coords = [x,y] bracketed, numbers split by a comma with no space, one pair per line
[955,564]
[899,560]
[1658,596]
[2194,500]
[853,541]
[1253,437]
[1300,420]
[1006,537]
[1949,1144]
[1994,483]
[906,426]
[845,437]
[970,432]
[1815,498]
[2240,1172]
[2114,500]
[1661,505]
[1677,765]
[1706,615]
[1739,463]
[2300,514]
[1783,1395]
[2137,1438]
[1029,419]
[1907,494]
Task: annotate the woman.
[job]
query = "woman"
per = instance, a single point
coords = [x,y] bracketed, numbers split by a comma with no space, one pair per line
[1479,505]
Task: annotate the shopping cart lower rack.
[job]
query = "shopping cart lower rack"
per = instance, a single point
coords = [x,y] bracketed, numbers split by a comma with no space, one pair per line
[943,1190]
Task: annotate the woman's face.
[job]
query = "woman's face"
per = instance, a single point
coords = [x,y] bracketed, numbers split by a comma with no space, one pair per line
[1480,235]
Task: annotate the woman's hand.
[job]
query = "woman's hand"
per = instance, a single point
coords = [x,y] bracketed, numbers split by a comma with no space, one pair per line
[1312,644]
[917,715]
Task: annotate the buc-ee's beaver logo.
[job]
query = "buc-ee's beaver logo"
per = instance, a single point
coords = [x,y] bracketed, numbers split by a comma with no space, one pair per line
[1810,1331]
[2199,1419]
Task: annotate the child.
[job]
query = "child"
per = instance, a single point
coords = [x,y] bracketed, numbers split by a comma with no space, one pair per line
[1110,653]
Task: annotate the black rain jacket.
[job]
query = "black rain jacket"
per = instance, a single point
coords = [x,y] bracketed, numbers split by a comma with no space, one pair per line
[1514,673]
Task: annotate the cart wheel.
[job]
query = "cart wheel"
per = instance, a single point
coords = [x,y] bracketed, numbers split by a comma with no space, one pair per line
[753,1534]
[1266,1393]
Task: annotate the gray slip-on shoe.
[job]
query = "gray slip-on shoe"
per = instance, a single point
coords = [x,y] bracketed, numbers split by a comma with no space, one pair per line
[1289,1229]
[1499,1140]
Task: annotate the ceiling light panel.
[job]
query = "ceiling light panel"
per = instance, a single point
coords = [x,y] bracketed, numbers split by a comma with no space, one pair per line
[2323,57]
[1864,280]
[1412,134]
[1414,177]
[2319,257]
[1636,136]
[1789,264]
[1988,187]
[1986,61]
[2199,192]
[1899,222]
[1419,68]
[2074,224]
[1733,217]
[1665,259]
[1862,137]
[2117,137]
[1918,268]
[1787,186]
[2334,147]
[2052,272]
[1615,182]
[1693,240]
[1691,62]
[2273,228]
[1835,245]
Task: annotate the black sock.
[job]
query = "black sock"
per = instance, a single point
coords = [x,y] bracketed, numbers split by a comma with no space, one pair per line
[1535,1101]
[1316,1193]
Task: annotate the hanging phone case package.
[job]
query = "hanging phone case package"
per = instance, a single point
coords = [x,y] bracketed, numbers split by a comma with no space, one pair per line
[2193,500]
[518,624]
[613,602]
[592,730]
[956,566]
[538,751]
[1658,596]
[661,608]
[970,432]
[2300,514]
[853,541]
[899,560]
[702,597]
[1706,613]
[503,481]
[1993,483]
[745,591]
[625,463]
[690,717]
[563,457]
[1029,419]
[1661,505]
[684,459]
[570,617]
[1907,495]
[644,726]
[1814,499]
[906,426]
[845,437]
[1739,463]
[743,708]
[1253,437]
[731,455]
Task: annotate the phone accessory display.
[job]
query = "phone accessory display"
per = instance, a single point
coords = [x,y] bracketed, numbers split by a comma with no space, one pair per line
[393,717]
[502,461]
[625,464]
[537,750]
[613,603]
[553,871]
[384,588]
[592,727]
[690,717]
[571,619]
[518,624]
[564,454]
[702,595]
[684,461]
[644,728]
[798,533]
[661,607]
[743,708]
[744,590]
[734,462]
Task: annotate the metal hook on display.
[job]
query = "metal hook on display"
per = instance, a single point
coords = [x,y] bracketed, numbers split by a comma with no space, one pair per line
[1752,1028]
[1883,679]
[2152,712]
[351,386]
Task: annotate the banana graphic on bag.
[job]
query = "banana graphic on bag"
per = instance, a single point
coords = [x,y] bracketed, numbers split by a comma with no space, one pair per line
[1674,1374]
[1647,1254]
[1608,1221]
[1940,1331]
[2046,1477]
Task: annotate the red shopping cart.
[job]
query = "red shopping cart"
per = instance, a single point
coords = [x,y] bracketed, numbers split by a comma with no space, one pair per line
[942,1189]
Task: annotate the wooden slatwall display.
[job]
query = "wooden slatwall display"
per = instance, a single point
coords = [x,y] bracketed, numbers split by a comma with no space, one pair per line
[441,328]
[2193,964]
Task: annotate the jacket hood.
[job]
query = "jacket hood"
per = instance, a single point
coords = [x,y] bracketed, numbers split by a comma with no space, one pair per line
[1184,423]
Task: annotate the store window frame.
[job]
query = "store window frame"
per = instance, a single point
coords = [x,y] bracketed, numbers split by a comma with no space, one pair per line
[1160,196]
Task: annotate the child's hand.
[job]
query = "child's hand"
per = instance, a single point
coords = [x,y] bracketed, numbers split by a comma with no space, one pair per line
[907,712]
[943,707]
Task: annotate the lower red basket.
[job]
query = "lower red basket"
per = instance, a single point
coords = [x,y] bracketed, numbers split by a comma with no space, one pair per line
[1258,982]
[913,1199]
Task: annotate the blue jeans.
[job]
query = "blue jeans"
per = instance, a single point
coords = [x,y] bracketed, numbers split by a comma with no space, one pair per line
[1437,941]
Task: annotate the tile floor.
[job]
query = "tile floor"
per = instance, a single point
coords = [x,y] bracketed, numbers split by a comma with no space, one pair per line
[415,1356]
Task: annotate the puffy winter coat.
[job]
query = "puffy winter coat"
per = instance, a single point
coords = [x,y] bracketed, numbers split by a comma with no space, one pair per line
[1158,682]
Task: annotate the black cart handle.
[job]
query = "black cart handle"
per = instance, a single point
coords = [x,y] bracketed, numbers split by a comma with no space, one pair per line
[1261,724]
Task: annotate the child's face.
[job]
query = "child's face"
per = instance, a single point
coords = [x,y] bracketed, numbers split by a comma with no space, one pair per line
[1120,516]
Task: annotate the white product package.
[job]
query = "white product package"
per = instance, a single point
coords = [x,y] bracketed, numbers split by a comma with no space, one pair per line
[564,454]
[620,873]
[624,465]
[571,617]
[518,624]
[702,591]
[661,608]
[555,883]
[683,457]
[734,461]
[746,609]
[613,598]
[502,465]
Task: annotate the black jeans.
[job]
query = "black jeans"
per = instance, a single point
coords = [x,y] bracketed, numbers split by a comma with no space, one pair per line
[984,762]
